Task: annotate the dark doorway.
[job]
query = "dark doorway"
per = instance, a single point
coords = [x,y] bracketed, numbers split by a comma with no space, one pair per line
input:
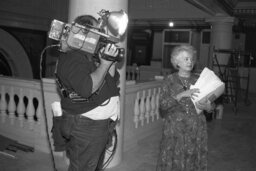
[140,45]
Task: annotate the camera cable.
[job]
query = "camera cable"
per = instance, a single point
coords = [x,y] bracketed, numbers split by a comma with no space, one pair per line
[44,105]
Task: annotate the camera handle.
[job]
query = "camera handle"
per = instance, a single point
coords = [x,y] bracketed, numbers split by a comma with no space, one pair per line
[118,58]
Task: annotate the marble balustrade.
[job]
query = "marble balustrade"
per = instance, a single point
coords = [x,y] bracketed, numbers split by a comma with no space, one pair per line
[24,112]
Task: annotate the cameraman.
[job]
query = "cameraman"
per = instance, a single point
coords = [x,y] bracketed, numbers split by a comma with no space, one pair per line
[90,102]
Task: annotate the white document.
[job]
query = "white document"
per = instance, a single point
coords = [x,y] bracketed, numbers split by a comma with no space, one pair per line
[209,85]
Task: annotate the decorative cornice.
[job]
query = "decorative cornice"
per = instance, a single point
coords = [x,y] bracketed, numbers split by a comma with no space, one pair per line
[221,19]
[241,12]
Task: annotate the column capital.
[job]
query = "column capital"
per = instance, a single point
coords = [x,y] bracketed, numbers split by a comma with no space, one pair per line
[221,19]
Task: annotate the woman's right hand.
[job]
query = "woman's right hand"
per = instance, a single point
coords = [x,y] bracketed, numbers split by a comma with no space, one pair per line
[192,93]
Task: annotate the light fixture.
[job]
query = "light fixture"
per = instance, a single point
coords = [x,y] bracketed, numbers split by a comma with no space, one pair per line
[115,21]
[171,24]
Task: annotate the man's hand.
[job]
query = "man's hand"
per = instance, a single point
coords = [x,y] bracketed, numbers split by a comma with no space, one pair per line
[109,50]
[105,65]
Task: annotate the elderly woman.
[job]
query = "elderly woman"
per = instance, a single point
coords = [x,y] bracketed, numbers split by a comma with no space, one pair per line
[184,141]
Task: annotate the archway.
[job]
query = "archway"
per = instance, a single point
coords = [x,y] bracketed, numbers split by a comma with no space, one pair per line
[15,56]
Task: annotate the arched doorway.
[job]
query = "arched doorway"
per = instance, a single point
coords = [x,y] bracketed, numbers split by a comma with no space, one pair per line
[13,58]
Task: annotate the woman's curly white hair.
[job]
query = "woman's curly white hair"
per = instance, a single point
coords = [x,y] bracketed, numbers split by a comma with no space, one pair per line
[181,48]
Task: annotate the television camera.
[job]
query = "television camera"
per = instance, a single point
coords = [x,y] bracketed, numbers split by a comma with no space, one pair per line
[89,38]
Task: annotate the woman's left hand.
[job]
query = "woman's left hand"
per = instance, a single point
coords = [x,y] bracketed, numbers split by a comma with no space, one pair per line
[205,104]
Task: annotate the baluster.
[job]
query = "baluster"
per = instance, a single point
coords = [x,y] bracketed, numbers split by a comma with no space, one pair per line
[39,112]
[128,70]
[40,116]
[157,103]
[11,106]
[131,74]
[3,105]
[148,107]
[142,107]
[30,111]
[21,108]
[153,105]
[136,110]
[137,73]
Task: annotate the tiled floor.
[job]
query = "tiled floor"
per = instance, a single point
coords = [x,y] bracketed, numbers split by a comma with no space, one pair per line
[232,147]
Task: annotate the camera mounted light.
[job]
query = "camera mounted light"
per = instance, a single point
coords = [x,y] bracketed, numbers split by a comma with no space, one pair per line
[89,38]
[115,21]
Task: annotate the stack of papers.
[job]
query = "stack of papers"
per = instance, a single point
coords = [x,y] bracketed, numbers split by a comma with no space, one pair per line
[209,85]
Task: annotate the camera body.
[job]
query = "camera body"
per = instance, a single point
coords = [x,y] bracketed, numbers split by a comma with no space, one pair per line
[78,37]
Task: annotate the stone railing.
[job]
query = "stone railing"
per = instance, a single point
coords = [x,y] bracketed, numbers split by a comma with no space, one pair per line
[141,117]
[21,110]
[132,73]
[145,73]
[24,111]
[146,106]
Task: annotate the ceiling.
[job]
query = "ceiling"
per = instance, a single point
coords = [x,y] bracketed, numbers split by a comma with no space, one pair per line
[243,10]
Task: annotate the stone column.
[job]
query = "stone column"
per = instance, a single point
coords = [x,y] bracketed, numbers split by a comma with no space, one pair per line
[221,37]
[92,7]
